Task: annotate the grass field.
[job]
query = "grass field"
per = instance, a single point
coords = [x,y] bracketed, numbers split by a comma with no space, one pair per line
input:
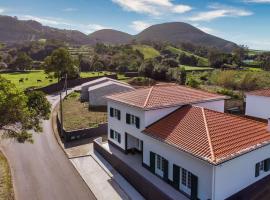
[193,68]
[202,61]
[93,74]
[147,51]
[6,188]
[32,76]
[77,116]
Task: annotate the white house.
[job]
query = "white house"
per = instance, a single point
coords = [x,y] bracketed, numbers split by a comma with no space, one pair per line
[98,92]
[185,138]
[258,104]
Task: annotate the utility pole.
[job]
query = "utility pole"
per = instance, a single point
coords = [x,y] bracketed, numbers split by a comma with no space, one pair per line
[61,113]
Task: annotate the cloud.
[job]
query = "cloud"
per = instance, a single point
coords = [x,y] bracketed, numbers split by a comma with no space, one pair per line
[257,1]
[92,28]
[139,25]
[2,10]
[205,29]
[152,7]
[219,11]
[44,20]
[70,9]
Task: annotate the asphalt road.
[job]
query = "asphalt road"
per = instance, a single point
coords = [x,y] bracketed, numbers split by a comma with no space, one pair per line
[41,171]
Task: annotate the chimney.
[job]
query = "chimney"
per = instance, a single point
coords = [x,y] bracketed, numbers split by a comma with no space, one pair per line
[268,125]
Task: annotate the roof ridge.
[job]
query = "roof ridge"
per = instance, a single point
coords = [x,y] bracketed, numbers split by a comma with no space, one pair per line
[148,96]
[213,158]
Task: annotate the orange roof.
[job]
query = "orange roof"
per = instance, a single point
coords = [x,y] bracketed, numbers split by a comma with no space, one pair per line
[210,135]
[263,92]
[164,96]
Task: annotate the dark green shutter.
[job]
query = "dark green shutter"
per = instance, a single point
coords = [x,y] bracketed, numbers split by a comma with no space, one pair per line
[111,133]
[165,169]
[128,118]
[137,122]
[257,169]
[176,176]
[194,187]
[118,114]
[111,112]
[266,165]
[152,162]
[119,138]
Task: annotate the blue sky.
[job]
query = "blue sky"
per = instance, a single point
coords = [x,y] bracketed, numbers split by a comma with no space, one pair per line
[241,21]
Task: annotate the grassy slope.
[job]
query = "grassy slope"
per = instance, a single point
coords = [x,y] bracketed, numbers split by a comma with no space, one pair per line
[32,76]
[193,68]
[147,51]
[203,61]
[6,188]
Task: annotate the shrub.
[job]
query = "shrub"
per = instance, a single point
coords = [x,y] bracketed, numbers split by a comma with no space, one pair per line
[228,93]
[192,82]
[142,81]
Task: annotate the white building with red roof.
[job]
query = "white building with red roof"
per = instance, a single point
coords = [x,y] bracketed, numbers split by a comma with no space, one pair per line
[258,104]
[185,138]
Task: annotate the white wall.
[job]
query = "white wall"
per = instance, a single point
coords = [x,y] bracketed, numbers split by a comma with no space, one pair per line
[258,106]
[198,167]
[213,105]
[236,174]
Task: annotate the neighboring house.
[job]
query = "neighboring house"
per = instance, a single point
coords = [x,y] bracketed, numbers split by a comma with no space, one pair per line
[199,150]
[86,86]
[258,104]
[98,92]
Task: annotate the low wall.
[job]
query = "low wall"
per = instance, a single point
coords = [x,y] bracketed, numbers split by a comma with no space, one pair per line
[56,87]
[142,185]
[68,136]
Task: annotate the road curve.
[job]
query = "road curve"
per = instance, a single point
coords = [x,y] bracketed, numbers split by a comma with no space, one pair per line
[41,171]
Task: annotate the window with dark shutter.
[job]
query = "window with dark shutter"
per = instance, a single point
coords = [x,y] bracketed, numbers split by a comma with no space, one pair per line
[128,118]
[137,122]
[194,187]
[119,138]
[176,176]
[257,169]
[165,169]
[111,134]
[266,165]
[152,162]
[118,115]
[111,112]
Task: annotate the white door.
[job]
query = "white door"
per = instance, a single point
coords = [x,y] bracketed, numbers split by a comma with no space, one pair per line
[185,181]
[159,165]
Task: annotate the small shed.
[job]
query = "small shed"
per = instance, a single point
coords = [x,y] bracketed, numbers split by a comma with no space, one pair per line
[98,92]
[85,87]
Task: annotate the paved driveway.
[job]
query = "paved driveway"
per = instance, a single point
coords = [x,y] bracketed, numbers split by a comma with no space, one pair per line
[41,171]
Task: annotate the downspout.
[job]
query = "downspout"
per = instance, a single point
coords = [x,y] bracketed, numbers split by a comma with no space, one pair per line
[213,182]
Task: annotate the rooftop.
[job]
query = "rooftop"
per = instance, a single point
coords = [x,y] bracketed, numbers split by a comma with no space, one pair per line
[109,83]
[160,96]
[209,135]
[263,92]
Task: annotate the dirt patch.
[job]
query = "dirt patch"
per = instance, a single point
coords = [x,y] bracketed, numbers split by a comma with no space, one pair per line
[6,188]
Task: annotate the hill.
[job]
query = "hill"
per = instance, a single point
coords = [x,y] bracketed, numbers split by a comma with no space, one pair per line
[13,30]
[179,32]
[147,51]
[109,36]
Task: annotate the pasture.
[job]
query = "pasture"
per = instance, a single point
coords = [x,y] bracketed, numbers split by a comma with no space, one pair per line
[147,51]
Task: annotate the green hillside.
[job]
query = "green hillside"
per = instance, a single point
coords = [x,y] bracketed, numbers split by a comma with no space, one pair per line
[147,51]
[202,61]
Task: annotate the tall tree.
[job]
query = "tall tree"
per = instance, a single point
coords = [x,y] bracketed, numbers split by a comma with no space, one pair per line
[61,63]
[20,112]
[239,54]
[22,62]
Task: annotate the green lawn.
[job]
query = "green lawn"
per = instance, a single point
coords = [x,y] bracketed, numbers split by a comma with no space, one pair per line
[193,68]
[77,115]
[202,61]
[147,51]
[32,77]
[93,74]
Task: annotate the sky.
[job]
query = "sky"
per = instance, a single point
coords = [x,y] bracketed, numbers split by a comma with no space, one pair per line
[244,22]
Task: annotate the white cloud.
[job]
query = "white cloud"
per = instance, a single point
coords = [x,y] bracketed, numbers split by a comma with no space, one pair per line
[92,28]
[44,20]
[257,1]
[70,9]
[139,25]
[205,29]
[219,11]
[2,10]
[152,7]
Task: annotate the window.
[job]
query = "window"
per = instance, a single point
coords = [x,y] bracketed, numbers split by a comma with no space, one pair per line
[115,113]
[159,162]
[262,166]
[186,178]
[133,120]
[115,136]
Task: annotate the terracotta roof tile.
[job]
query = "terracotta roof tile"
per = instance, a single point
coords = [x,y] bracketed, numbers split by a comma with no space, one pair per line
[163,96]
[263,92]
[209,135]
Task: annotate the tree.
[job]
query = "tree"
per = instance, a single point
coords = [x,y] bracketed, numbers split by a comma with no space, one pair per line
[20,112]
[22,62]
[61,63]
[183,76]
[239,55]
[146,68]
[266,63]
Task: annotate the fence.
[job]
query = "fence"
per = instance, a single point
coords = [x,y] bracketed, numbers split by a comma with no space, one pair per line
[146,188]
